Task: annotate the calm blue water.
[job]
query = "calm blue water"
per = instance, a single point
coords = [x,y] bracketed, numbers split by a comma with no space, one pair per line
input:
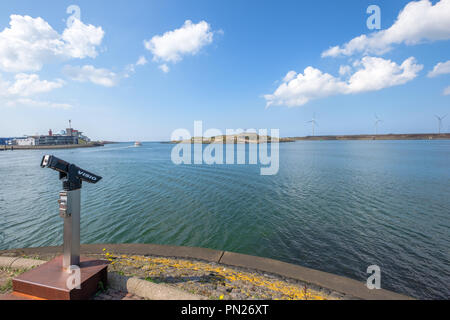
[336,206]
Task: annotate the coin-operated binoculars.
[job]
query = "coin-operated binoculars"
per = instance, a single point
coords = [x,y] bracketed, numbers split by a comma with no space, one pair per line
[69,204]
[66,277]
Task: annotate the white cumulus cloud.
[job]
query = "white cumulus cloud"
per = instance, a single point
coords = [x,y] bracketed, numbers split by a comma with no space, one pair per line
[89,73]
[377,73]
[29,43]
[187,40]
[81,40]
[19,92]
[371,74]
[312,84]
[446,91]
[131,68]
[142,61]
[25,85]
[418,22]
[289,76]
[30,84]
[164,67]
[343,70]
[440,68]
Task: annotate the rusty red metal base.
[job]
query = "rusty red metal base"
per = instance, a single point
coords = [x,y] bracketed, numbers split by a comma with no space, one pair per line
[49,281]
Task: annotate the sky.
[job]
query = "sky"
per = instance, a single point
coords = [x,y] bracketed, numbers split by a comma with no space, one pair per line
[138,70]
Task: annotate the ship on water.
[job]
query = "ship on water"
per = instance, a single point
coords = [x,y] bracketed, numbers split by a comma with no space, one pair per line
[137,144]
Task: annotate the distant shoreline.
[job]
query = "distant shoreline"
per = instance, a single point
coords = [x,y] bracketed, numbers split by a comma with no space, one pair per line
[413,136]
[241,138]
[68,146]
[408,136]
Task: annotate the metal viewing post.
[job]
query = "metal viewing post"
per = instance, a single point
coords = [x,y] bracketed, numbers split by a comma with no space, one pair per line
[68,276]
[69,204]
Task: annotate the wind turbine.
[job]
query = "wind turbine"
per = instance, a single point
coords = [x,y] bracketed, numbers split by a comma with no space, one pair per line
[377,121]
[313,122]
[440,121]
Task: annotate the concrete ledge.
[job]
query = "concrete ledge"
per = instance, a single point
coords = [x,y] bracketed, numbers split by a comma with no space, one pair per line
[156,250]
[148,290]
[323,279]
[19,263]
[206,254]
[326,280]
[32,251]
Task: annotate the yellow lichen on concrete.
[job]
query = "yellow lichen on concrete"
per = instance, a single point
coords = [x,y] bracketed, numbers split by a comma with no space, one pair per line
[228,277]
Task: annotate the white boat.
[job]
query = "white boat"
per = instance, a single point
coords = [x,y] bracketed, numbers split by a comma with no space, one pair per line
[137,144]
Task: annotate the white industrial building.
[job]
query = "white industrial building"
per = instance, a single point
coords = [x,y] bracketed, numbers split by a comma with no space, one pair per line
[30,141]
[46,140]
[69,136]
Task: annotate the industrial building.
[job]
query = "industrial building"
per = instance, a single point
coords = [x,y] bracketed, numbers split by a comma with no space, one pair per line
[49,140]
[70,136]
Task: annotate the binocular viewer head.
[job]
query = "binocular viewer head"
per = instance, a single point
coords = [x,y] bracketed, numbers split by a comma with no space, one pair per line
[71,175]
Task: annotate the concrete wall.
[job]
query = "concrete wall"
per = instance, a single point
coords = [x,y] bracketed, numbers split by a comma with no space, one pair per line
[354,288]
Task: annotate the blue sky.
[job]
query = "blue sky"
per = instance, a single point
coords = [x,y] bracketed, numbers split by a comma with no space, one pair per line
[225,81]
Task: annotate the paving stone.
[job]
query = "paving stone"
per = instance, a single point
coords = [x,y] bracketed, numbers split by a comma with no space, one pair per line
[111,294]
